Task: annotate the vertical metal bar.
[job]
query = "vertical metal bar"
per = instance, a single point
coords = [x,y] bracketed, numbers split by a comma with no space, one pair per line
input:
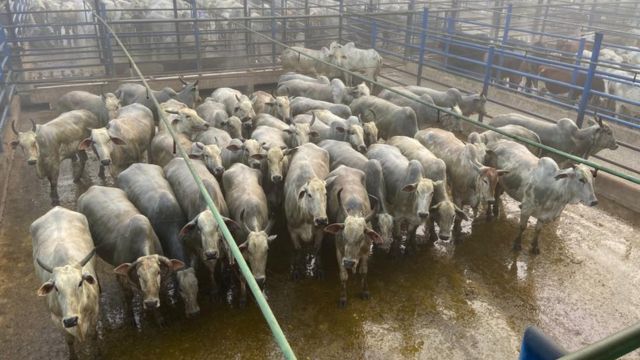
[374,33]
[451,25]
[283,14]
[273,31]
[576,69]
[108,60]
[307,33]
[196,33]
[496,18]
[11,28]
[505,40]
[340,20]
[409,31]
[586,92]
[177,26]
[423,42]
[544,18]
[249,46]
[487,75]
[592,14]
[536,20]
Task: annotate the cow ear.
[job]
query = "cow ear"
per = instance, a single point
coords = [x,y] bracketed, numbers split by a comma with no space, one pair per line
[231,224]
[334,229]
[46,288]
[373,236]
[340,129]
[301,194]
[502,172]
[410,188]
[116,140]
[270,238]
[234,147]
[187,228]
[257,156]
[461,214]
[175,121]
[243,246]
[123,269]
[313,134]
[435,207]
[14,144]
[89,279]
[176,265]
[85,144]
[288,131]
[561,176]
[290,151]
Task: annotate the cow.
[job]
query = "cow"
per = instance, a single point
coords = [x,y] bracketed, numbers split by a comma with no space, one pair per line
[471,183]
[236,104]
[248,207]
[443,211]
[564,135]
[214,136]
[130,93]
[559,75]
[295,59]
[542,188]
[305,205]
[63,257]
[336,128]
[104,106]
[151,193]
[468,104]
[370,135]
[336,91]
[367,62]
[186,125]
[265,103]
[296,134]
[426,115]
[124,142]
[202,234]
[46,146]
[125,239]
[249,153]
[295,76]
[301,105]
[349,212]
[390,119]
[340,153]
[215,114]
[491,136]
[409,193]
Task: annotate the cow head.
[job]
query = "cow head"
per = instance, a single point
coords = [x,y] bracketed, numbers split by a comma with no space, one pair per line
[312,199]
[281,108]
[299,134]
[444,213]
[112,103]
[579,184]
[147,274]
[353,133]
[27,142]
[359,90]
[370,133]
[276,162]
[76,291]
[189,94]
[102,143]
[486,181]
[187,121]
[473,104]
[252,153]
[211,155]
[603,138]
[255,250]
[384,224]
[188,290]
[233,126]
[204,224]
[422,193]
[243,108]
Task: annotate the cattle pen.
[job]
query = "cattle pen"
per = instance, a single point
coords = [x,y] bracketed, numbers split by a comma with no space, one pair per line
[471,300]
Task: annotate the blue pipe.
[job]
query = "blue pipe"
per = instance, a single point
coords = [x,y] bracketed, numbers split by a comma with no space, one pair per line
[423,42]
[574,74]
[487,76]
[586,93]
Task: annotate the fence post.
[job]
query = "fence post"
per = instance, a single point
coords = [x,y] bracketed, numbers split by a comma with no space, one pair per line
[423,42]
[487,76]
[106,42]
[340,19]
[196,33]
[307,12]
[409,31]
[574,74]
[536,20]
[251,51]
[505,40]
[273,31]
[451,25]
[177,27]
[374,33]
[496,18]
[544,18]
[586,92]
[591,14]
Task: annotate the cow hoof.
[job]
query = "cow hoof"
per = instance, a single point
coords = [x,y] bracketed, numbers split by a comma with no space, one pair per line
[365,295]
[535,251]
[342,303]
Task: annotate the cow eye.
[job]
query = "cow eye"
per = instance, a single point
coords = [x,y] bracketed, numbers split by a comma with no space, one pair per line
[308,195]
[80,283]
[583,181]
[55,287]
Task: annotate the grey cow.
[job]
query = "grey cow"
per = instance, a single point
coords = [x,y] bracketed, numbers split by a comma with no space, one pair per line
[278,106]
[488,137]
[426,115]
[540,186]
[335,128]
[215,114]
[340,153]
[202,234]
[248,207]
[63,257]
[469,104]
[125,141]
[305,205]
[125,239]
[235,103]
[564,135]
[409,192]
[295,76]
[349,212]
[130,93]
[151,193]
[390,119]
[336,91]
[48,145]
[296,134]
[104,106]
[443,211]
[301,105]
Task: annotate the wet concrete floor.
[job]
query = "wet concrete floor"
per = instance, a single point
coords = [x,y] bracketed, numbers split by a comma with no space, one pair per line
[470,301]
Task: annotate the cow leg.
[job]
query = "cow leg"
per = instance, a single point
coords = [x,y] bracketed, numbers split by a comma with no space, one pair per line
[242,302]
[317,245]
[101,172]
[344,277]
[69,339]
[432,229]
[363,270]
[82,157]
[211,273]
[496,204]
[517,243]
[297,260]
[53,181]
[534,245]
[128,299]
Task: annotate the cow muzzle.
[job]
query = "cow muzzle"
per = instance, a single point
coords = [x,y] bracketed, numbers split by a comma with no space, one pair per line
[152,304]
[193,314]
[594,203]
[362,149]
[218,171]
[276,179]
[444,237]
[211,255]
[320,221]
[70,322]
[105,162]
[261,282]
[423,215]
[256,165]
[32,161]
[348,263]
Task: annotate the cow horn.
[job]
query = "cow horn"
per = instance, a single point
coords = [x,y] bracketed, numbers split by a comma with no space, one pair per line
[598,119]
[33,125]
[340,202]
[45,267]
[269,226]
[373,112]
[13,127]
[594,173]
[86,259]
[374,210]
[244,224]
[313,119]
[182,80]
